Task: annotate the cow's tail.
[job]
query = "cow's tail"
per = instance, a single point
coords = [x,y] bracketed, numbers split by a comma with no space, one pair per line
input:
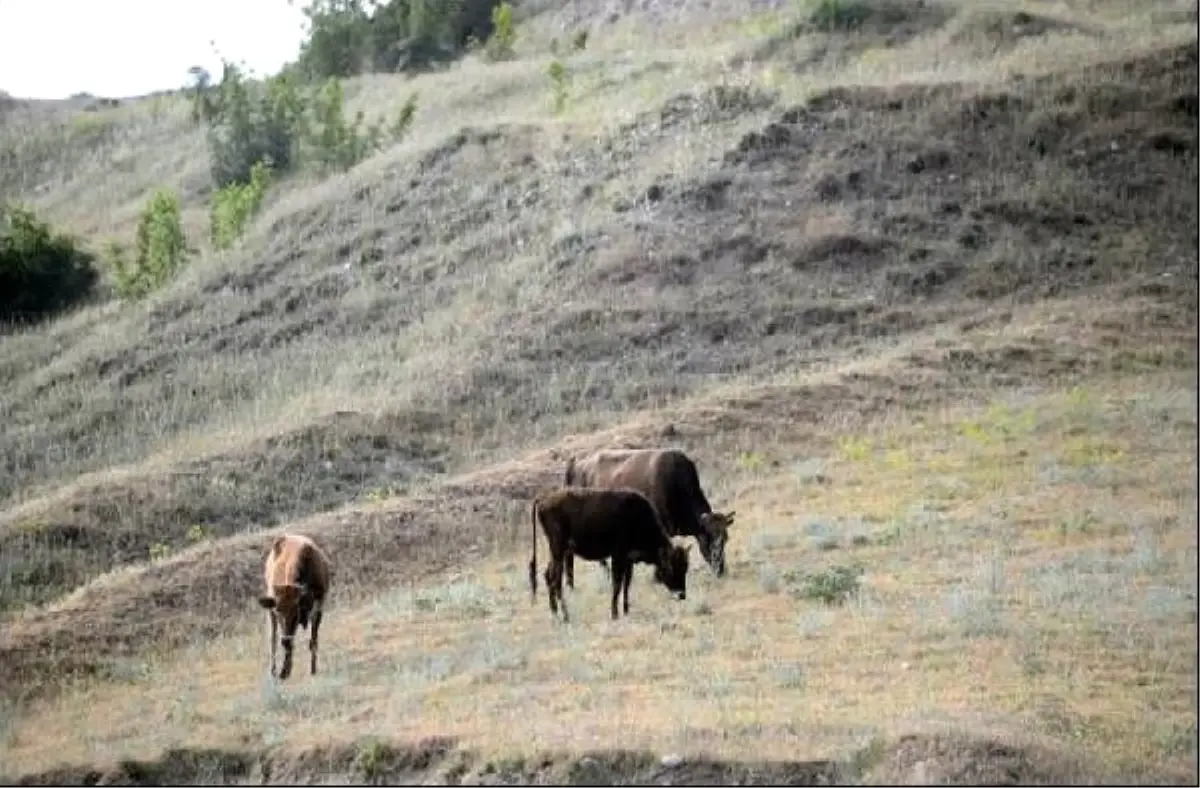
[533,523]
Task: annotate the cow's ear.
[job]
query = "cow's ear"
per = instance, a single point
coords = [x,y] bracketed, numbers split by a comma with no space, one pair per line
[729,517]
[267,602]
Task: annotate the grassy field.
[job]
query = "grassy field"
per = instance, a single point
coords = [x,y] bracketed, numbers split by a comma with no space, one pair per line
[918,297]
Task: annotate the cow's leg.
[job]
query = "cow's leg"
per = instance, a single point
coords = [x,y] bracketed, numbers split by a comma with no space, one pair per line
[312,637]
[571,571]
[619,569]
[289,636]
[616,591]
[548,576]
[274,637]
[557,568]
[625,585]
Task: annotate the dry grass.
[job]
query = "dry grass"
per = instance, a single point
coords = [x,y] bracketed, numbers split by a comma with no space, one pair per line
[910,314]
[1030,566]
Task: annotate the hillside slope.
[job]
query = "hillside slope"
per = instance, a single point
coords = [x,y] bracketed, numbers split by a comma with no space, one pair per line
[596,274]
[798,232]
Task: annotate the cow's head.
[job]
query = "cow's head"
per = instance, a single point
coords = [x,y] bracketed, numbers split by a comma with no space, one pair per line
[713,537]
[290,603]
[672,568]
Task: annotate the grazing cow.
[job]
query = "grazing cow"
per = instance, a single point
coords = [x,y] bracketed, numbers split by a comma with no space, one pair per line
[297,578]
[668,478]
[596,524]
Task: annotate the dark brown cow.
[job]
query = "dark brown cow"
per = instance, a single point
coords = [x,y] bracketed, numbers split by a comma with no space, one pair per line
[596,524]
[297,578]
[668,478]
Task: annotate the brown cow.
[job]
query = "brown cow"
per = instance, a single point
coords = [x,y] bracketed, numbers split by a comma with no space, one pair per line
[668,478]
[297,578]
[597,524]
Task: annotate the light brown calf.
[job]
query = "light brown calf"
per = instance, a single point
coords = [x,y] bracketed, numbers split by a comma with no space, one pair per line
[297,579]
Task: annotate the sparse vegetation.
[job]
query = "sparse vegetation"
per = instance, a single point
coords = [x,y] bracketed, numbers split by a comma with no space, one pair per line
[502,44]
[558,82]
[833,586]
[283,125]
[403,123]
[914,284]
[338,145]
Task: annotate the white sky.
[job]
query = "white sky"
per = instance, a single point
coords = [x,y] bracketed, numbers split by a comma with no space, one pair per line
[122,48]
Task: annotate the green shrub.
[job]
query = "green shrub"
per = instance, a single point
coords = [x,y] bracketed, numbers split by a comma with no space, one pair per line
[839,15]
[501,45]
[833,586]
[279,123]
[235,205]
[160,249]
[559,82]
[335,144]
[41,272]
[405,117]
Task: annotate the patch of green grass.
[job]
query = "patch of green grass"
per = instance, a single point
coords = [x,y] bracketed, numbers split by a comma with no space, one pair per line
[834,585]
[854,449]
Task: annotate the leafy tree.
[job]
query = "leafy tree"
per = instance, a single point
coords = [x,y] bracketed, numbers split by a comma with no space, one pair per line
[336,39]
[346,37]
[253,123]
[203,107]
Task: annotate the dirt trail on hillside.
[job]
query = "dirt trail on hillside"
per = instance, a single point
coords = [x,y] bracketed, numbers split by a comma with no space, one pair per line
[909,760]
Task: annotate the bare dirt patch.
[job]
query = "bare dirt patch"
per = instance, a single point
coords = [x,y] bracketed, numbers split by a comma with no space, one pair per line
[913,760]
[436,763]
[991,31]
[834,34]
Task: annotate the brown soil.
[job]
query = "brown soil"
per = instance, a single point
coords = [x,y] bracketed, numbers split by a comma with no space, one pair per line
[913,760]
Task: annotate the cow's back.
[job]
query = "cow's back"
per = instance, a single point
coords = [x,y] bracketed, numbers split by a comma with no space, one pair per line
[667,477]
[598,521]
[634,469]
[295,558]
